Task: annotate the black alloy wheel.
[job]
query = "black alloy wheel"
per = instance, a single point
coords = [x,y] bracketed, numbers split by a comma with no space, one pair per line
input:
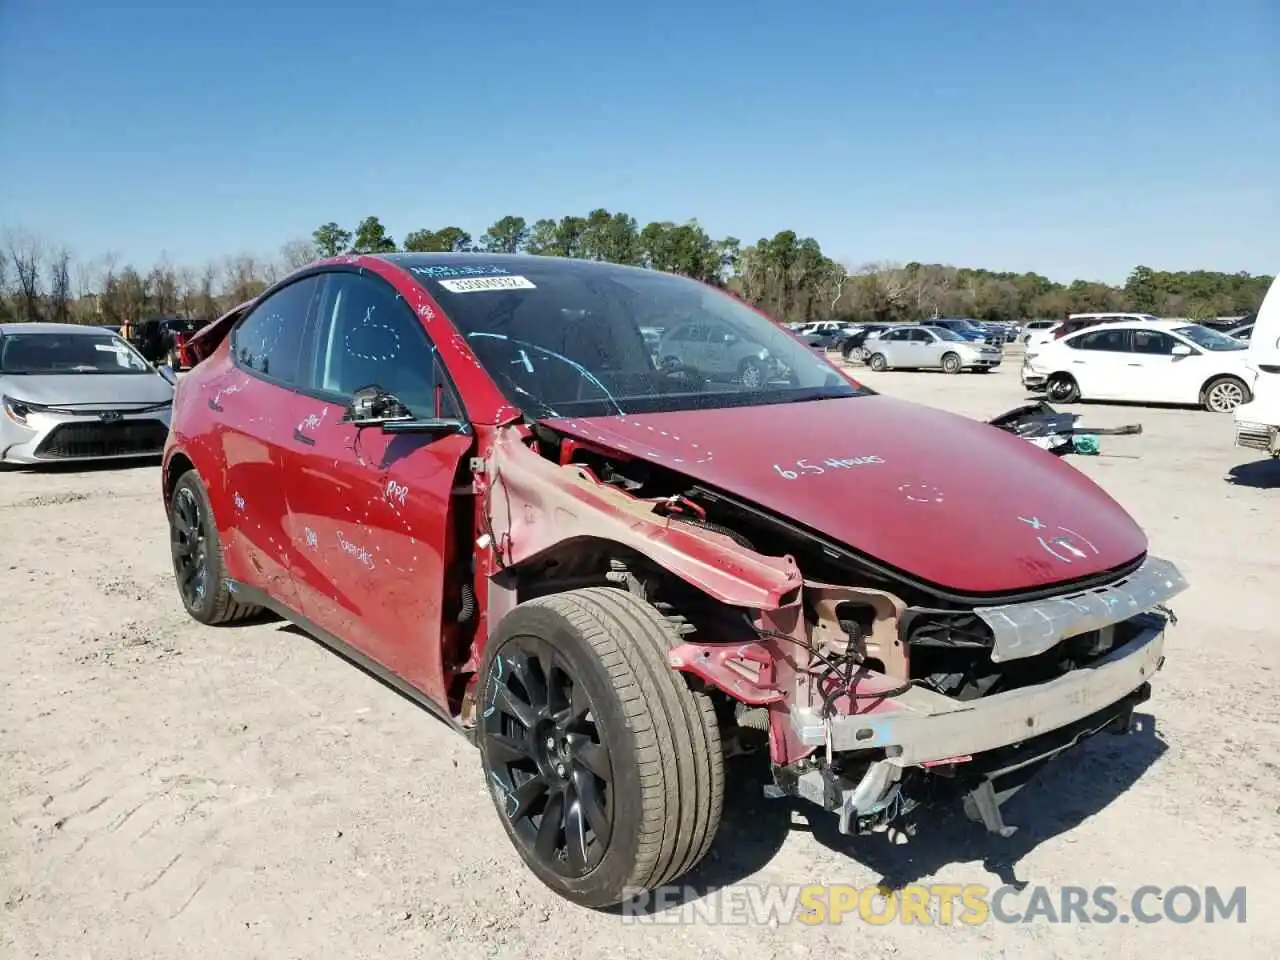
[189,542]
[198,566]
[547,758]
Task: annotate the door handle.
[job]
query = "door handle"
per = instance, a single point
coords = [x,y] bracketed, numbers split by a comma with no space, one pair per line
[301,437]
[1133,364]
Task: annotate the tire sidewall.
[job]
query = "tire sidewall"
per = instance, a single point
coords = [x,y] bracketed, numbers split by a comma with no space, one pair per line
[615,869]
[1068,394]
[190,481]
[877,362]
[951,363]
[1218,381]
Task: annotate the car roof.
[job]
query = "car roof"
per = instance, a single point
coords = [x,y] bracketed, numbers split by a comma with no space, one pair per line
[407,260]
[1144,325]
[73,328]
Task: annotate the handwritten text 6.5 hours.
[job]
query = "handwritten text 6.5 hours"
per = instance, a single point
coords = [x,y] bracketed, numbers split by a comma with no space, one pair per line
[803,467]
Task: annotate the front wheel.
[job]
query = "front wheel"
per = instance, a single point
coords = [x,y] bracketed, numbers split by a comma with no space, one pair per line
[951,363]
[751,373]
[605,767]
[1062,388]
[1224,394]
[878,362]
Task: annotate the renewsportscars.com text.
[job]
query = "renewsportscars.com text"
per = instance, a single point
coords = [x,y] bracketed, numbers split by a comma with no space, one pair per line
[937,904]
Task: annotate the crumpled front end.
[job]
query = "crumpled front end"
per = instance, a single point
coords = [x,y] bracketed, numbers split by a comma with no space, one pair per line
[871,692]
[896,698]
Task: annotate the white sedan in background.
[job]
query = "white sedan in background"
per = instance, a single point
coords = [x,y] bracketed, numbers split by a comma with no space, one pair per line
[1147,361]
[923,347]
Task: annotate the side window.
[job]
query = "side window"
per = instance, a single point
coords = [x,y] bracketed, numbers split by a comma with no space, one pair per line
[271,337]
[367,335]
[1153,342]
[1113,341]
[891,335]
[682,334]
[923,336]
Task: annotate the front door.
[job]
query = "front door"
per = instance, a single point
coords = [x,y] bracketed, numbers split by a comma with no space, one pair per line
[1160,377]
[248,405]
[378,515]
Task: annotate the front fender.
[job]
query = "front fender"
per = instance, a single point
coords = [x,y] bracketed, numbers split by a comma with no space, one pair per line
[535,505]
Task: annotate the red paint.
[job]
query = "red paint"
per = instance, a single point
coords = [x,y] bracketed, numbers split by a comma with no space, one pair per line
[383,573]
[972,541]
[368,520]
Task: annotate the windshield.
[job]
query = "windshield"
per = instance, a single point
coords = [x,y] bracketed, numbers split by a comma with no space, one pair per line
[53,353]
[1210,339]
[567,338]
[944,333]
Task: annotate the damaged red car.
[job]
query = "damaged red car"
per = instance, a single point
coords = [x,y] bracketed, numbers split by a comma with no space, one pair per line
[613,525]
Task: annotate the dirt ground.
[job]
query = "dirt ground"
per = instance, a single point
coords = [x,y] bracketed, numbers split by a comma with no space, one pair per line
[169,790]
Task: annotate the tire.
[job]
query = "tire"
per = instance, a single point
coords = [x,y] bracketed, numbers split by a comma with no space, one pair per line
[206,596]
[657,741]
[1224,394]
[1062,388]
[751,373]
[878,363]
[951,363]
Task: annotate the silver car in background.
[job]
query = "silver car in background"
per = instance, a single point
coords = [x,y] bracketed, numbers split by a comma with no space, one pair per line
[929,348]
[71,392]
[718,352]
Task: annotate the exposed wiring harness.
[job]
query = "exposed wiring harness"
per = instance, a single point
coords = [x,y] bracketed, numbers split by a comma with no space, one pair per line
[840,668]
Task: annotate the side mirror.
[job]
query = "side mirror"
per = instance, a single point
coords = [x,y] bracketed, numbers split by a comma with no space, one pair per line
[166,371]
[372,406]
[1182,350]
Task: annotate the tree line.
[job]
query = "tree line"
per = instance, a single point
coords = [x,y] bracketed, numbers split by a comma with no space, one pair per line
[787,275]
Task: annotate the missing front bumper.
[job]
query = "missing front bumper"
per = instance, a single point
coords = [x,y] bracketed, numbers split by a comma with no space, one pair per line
[926,727]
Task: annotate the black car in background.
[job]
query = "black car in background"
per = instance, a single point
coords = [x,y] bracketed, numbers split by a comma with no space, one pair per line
[157,338]
[852,346]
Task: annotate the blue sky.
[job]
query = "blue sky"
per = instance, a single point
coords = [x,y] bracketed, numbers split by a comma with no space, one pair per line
[1074,138]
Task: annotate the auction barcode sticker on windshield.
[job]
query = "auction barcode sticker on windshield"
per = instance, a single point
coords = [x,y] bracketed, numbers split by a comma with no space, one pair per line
[478,284]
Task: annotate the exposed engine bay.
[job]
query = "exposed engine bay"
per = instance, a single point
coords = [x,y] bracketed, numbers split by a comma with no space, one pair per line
[872,691]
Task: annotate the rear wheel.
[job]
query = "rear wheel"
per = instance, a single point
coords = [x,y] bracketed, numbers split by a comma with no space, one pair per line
[1062,388]
[951,363]
[606,769]
[1224,394]
[197,557]
[878,362]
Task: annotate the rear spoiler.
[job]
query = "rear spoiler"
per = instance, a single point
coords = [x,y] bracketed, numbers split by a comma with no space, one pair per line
[208,338]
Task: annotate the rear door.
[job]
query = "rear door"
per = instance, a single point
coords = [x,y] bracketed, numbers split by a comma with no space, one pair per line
[250,403]
[378,515]
[1098,361]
